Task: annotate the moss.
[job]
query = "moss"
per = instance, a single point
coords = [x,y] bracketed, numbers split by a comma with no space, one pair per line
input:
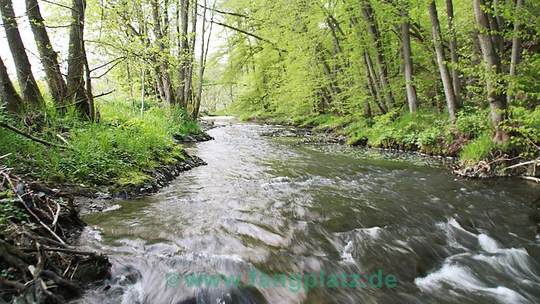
[133,178]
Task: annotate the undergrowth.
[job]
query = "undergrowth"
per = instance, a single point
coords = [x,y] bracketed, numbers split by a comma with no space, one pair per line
[426,131]
[118,150]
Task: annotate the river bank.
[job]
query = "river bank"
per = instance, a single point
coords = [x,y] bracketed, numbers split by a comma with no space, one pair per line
[40,213]
[459,146]
[280,205]
[41,224]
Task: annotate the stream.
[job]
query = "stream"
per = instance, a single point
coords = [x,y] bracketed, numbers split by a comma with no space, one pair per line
[273,219]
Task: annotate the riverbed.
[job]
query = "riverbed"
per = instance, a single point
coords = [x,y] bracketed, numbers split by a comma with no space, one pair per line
[269,215]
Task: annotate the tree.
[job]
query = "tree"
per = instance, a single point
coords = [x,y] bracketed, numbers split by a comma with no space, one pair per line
[79,90]
[8,96]
[493,69]
[27,82]
[48,56]
[452,43]
[203,57]
[373,29]
[516,45]
[162,39]
[443,69]
[183,52]
[407,60]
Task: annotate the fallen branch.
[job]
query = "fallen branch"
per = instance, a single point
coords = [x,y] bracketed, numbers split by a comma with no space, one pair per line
[39,140]
[30,210]
[535,162]
[530,178]
[62,250]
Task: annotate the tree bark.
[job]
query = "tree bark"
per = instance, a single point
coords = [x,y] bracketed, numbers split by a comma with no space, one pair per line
[8,96]
[516,47]
[369,16]
[456,82]
[77,92]
[48,56]
[29,88]
[443,69]
[372,83]
[183,51]
[191,46]
[407,60]
[204,56]
[497,100]
[161,35]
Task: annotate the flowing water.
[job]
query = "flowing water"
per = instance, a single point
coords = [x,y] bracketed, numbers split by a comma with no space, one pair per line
[268,212]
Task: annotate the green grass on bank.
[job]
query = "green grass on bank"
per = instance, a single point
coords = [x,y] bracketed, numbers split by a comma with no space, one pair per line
[427,131]
[118,150]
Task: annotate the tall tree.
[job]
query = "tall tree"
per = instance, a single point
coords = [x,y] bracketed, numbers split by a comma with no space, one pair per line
[183,51]
[191,57]
[8,96]
[495,95]
[203,57]
[454,57]
[373,29]
[162,41]
[407,60]
[443,69]
[48,56]
[373,84]
[77,62]
[516,45]
[27,82]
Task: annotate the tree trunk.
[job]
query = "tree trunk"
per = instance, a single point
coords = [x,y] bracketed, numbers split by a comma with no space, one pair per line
[27,82]
[407,60]
[77,91]
[456,82]
[48,56]
[191,45]
[161,35]
[204,56]
[183,51]
[497,100]
[372,82]
[516,48]
[443,69]
[8,96]
[368,13]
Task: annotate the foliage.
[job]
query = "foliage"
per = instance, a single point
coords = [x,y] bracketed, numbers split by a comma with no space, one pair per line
[122,145]
[309,70]
[478,149]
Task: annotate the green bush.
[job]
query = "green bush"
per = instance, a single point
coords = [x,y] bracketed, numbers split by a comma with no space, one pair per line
[472,122]
[524,128]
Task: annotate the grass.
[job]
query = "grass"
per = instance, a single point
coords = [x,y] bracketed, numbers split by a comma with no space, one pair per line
[427,131]
[118,150]
[478,149]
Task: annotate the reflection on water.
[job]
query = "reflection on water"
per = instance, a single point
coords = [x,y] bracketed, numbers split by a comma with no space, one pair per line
[277,206]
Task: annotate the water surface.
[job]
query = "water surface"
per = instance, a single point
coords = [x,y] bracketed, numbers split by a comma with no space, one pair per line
[276,205]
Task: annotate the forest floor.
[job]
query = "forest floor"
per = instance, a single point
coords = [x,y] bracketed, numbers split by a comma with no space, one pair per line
[45,185]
